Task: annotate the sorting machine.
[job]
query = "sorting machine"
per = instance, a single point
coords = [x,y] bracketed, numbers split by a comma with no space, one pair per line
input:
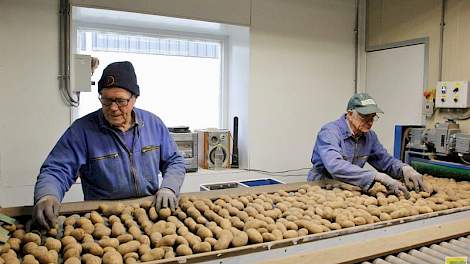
[348,245]
[442,151]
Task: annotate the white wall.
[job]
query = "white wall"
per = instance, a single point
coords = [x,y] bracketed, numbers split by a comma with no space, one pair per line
[33,115]
[302,72]
[301,75]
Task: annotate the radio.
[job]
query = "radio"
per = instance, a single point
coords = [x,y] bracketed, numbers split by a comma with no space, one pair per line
[214,148]
[187,145]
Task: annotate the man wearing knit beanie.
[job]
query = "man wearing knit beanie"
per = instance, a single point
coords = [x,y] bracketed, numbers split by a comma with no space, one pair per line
[118,151]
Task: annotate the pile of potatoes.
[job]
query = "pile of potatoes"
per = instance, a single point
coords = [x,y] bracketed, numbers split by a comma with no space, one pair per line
[118,233]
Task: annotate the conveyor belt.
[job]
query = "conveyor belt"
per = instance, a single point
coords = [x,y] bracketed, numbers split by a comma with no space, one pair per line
[434,254]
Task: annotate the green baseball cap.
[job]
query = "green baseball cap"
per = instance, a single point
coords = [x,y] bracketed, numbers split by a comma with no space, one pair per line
[363,104]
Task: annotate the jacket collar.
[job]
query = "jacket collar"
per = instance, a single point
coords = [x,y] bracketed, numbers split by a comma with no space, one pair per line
[344,128]
[103,123]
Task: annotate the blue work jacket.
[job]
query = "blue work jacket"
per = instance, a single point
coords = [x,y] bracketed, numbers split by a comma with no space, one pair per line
[93,150]
[338,155]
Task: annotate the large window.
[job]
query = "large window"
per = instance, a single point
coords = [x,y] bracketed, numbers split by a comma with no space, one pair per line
[179,77]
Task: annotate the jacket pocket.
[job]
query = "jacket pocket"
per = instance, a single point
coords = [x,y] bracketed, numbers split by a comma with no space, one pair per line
[109,156]
[107,173]
[150,162]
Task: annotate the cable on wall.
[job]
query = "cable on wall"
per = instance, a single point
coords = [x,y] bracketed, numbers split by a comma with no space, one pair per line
[441,37]
[64,55]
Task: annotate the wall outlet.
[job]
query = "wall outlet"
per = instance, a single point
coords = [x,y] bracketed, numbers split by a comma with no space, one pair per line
[428,110]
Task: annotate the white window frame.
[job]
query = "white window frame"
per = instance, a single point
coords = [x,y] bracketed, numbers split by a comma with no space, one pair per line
[223,99]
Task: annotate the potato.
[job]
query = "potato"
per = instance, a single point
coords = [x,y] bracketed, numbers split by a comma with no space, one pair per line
[91,259]
[52,232]
[239,239]
[32,237]
[190,223]
[19,233]
[344,224]
[314,228]
[88,238]
[224,240]
[155,238]
[10,257]
[130,258]
[72,260]
[154,254]
[168,240]
[202,247]
[108,242]
[131,246]
[359,220]
[112,257]
[44,256]
[30,259]
[204,232]
[267,237]
[164,213]
[93,248]
[254,236]
[147,204]
[109,249]
[153,215]
[15,243]
[53,244]
[78,234]
[68,230]
[95,217]
[385,217]
[183,250]
[181,215]
[424,209]
[209,240]
[135,232]
[117,229]
[143,249]
[72,252]
[111,209]
[290,234]
[144,239]
[71,220]
[181,240]
[170,229]
[182,230]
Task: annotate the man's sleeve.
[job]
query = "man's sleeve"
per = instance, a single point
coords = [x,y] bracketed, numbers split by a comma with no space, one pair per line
[331,154]
[59,170]
[382,160]
[171,163]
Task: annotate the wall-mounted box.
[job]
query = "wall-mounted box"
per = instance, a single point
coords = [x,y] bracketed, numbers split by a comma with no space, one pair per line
[453,94]
[80,73]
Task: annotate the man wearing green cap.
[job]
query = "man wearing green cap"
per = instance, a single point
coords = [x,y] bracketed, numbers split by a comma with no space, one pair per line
[344,146]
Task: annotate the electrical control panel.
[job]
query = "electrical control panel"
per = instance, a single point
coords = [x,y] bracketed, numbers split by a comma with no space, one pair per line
[453,94]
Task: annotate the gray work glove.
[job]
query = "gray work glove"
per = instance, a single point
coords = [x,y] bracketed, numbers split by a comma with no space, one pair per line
[413,179]
[46,211]
[166,198]
[393,186]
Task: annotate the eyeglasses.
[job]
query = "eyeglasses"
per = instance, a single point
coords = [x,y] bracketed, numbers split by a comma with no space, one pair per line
[368,118]
[119,101]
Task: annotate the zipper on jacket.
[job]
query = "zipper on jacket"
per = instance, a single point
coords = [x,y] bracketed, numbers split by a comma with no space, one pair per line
[133,173]
[131,159]
[354,153]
